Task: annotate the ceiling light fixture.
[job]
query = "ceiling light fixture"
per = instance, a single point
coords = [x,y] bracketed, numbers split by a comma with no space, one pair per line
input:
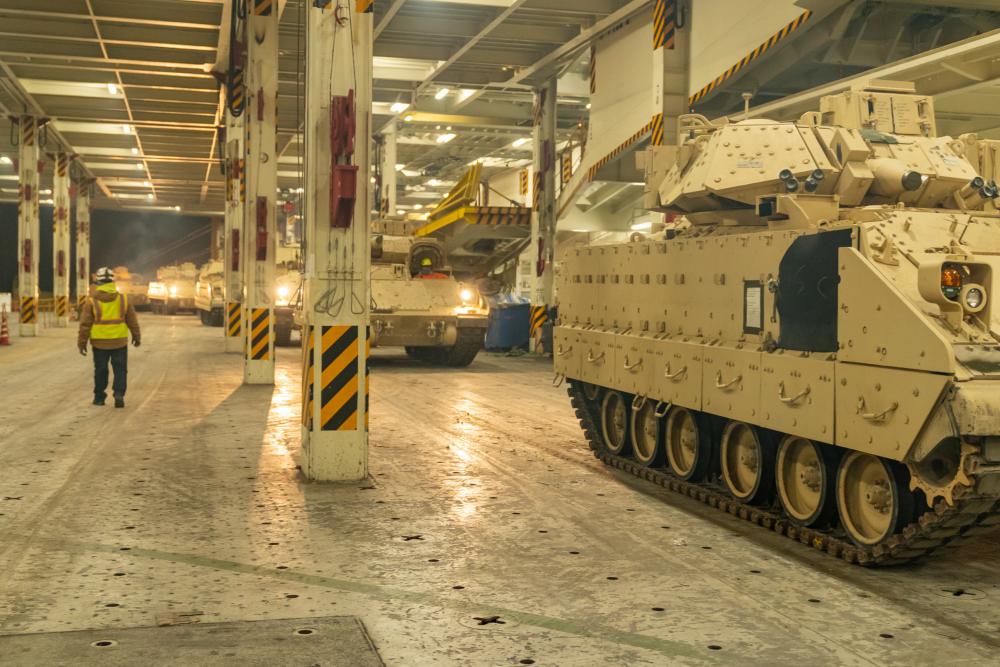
[465,94]
[112,89]
[399,107]
[5,160]
[135,151]
[400,167]
[126,128]
[441,93]
[434,183]
[445,138]
[138,166]
[147,184]
[408,117]
[519,142]
[149,196]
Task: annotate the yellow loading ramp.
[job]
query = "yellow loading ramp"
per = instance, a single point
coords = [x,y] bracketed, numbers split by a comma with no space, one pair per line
[477,239]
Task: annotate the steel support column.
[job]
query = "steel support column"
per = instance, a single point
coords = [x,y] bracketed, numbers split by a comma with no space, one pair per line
[336,301]
[29,167]
[260,229]
[82,266]
[543,224]
[61,260]
[233,231]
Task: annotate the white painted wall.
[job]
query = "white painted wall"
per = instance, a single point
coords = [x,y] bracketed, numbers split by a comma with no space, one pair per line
[723,31]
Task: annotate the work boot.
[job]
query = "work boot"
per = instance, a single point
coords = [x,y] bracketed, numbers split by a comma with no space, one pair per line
[119,401]
[98,400]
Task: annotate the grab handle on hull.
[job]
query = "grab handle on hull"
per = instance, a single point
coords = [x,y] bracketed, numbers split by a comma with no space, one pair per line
[719,384]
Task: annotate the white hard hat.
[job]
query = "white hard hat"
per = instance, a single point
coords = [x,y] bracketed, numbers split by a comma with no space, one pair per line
[104,275]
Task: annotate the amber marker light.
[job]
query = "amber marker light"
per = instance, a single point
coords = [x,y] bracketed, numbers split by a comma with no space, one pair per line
[951,282]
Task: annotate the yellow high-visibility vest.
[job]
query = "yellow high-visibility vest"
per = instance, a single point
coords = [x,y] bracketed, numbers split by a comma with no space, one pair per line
[109,316]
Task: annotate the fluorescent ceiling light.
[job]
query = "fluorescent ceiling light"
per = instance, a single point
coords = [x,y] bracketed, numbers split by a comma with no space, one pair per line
[147,184]
[81,127]
[409,173]
[70,88]
[588,105]
[400,167]
[135,151]
[445,138]
[5,160]
[402,69]
[138,166]
[441,94]
[519,142]
[399,107]
[481,3]
[149,196]
[126,129]
[112,89]
[642,227]
[417,207]
[408,117]
[434,183]
[465,94]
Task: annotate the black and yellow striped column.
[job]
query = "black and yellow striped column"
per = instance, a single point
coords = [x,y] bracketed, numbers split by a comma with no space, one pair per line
[339,378]
[29,310]
[539,316]
[308,371]
[234,319]
[259,334]
[62,306]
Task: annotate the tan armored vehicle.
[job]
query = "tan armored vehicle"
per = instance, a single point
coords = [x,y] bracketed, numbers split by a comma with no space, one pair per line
[417,303]
[287,293]
[132,284]
[173,289]
[208,299]
[817,351]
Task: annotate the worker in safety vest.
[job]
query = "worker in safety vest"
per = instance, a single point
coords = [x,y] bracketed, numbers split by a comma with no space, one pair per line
[106,320]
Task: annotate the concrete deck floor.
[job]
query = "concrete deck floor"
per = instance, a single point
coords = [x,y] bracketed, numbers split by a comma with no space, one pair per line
[189,502]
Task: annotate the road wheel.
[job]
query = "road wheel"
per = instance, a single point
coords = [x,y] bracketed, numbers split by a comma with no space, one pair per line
[646,428]
[614,422]
[688,444]
[747,461]
[873,498]
[806,475]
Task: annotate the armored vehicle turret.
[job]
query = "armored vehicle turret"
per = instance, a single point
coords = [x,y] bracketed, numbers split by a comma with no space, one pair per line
[815,349]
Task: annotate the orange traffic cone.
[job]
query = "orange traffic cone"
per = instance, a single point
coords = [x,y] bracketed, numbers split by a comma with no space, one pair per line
[4,328]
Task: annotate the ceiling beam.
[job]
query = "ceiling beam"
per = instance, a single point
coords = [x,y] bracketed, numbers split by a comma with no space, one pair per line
[27,98]
[107,19]
[478,37]
[568,49]
[384,23]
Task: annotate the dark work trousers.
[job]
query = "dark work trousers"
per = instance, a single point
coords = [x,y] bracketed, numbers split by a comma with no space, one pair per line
[119,362]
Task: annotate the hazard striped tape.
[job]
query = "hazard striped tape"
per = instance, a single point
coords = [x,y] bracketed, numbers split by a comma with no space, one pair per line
[260,334]
[308,367]
[339,378]
[525,181]
[62,164]
[62,305]
[29,310]
[500,215]
[536,193]
[641,134]
[243,181]
[664,24]
[539,316]
[567,166]
[262,7]
[365,6]
[28,130]
[234,319]
[656,133]
[237,90]
[752,56]
[81,299]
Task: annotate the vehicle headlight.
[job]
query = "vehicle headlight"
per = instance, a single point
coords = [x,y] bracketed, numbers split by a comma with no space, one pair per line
[974,298]
[173,290]
[951,282]
[283,292]
[466,295]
